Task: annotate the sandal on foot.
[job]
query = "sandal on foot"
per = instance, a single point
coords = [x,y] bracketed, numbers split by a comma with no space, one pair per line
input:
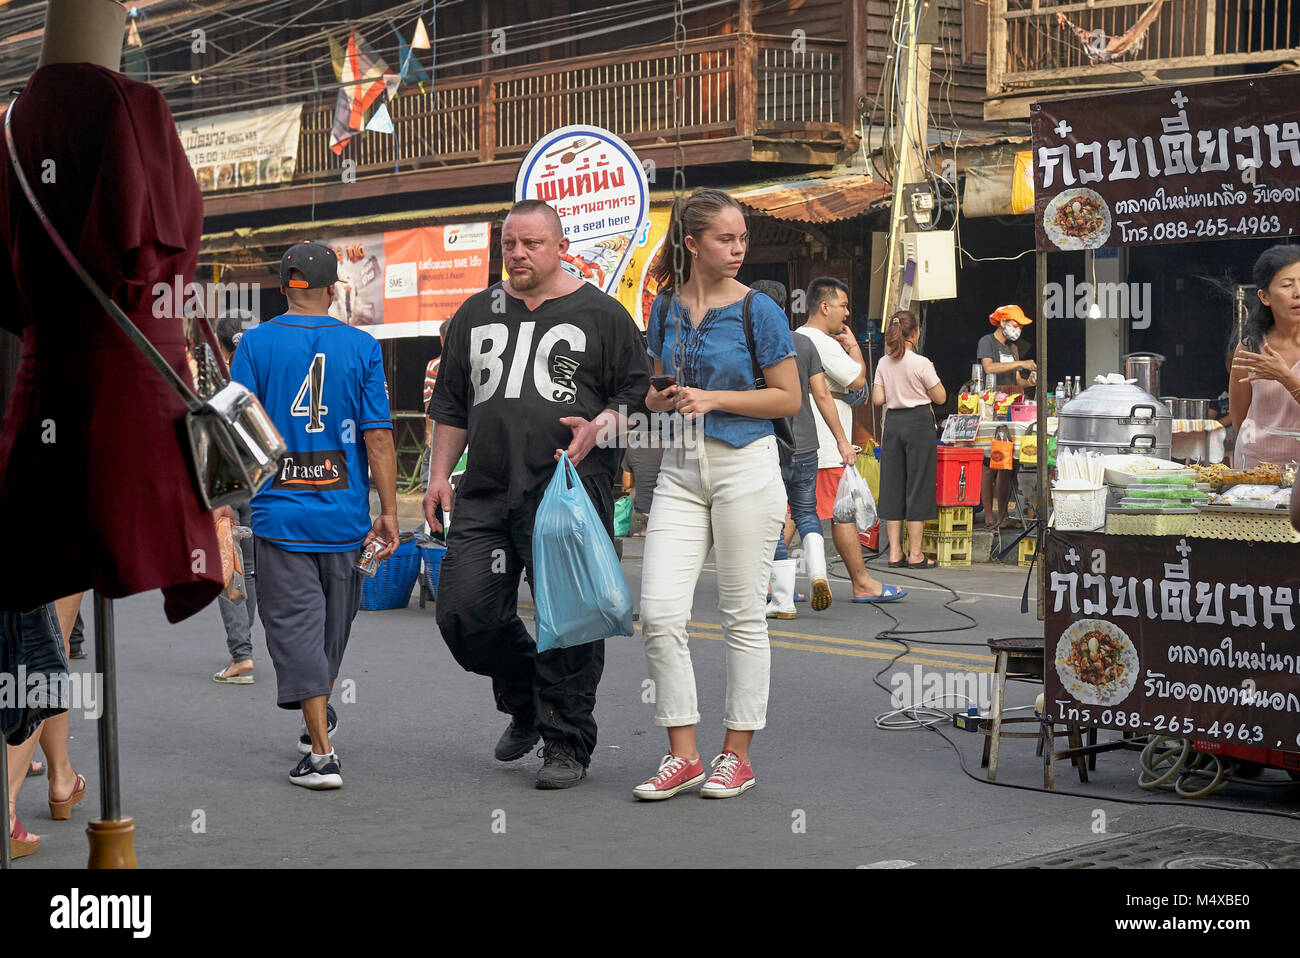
[22,842]
[35,770]
[926,563]
[244,678]
[62,811]
[888,593]
[899,564]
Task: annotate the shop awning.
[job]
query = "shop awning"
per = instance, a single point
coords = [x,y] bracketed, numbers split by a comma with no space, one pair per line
[815,198]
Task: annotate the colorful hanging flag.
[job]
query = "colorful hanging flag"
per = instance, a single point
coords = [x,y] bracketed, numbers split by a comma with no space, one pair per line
[133,36]
[340,133]
[421,39]
[411,70]
[364,78]
[381,122]
[336,57]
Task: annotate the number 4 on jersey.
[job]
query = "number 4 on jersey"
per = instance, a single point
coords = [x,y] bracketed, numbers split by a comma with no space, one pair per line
[311,390]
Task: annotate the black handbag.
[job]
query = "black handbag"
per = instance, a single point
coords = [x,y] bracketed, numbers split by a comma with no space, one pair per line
[234,447]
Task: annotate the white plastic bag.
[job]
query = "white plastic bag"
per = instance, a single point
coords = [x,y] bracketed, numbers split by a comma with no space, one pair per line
[854,502]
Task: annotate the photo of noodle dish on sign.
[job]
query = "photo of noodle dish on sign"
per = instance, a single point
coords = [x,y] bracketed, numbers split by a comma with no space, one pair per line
[1077,219]
[1096,662]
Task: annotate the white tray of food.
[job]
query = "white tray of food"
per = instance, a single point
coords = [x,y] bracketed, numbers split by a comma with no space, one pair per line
[1126,470]
[1257,499]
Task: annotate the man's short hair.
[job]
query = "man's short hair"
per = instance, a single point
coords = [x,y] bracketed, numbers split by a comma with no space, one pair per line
[772,289]
[823,288]
[528,207]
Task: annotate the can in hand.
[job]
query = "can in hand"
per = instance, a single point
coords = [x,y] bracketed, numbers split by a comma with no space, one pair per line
[368,564]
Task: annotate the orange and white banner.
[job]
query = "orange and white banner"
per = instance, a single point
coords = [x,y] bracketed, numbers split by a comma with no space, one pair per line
[407,282]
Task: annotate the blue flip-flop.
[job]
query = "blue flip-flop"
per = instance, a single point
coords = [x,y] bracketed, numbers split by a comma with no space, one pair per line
[889,593]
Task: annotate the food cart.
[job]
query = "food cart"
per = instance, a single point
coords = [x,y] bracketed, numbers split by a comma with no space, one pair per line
[1170,596]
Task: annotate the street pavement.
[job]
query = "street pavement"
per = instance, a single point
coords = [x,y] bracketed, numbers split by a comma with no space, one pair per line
[205,766]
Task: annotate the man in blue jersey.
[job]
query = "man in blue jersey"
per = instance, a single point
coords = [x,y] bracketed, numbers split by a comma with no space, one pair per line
[322,382]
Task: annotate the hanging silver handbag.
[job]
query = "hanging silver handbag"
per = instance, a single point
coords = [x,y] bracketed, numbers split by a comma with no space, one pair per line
[234,446]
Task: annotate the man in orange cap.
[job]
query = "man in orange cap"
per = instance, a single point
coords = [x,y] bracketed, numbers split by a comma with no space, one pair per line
[999,354]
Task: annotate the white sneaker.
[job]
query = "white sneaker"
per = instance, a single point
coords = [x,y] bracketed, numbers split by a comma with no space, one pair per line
[329,775]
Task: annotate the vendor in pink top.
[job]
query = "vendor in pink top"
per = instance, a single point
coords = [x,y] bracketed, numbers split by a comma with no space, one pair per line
[906,384]
[1264,392]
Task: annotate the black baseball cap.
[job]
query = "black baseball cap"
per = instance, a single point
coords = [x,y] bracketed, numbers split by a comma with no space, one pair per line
[316,262]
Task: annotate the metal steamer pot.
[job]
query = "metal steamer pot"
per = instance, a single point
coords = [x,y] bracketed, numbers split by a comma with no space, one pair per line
[1116,418]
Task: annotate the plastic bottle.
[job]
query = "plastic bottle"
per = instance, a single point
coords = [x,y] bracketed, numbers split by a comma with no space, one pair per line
[1061,397]
[1078,385]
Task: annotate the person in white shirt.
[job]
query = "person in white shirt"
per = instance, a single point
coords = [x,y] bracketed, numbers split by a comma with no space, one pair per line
[827,327]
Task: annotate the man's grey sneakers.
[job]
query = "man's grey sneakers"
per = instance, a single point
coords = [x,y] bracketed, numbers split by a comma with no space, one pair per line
[329,775]
[331,726]
[560,766]
[516,741]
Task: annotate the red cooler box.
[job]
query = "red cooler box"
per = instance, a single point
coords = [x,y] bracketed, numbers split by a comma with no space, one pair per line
[959,474]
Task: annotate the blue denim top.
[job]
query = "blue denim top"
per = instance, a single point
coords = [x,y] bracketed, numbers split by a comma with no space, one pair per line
[714,355]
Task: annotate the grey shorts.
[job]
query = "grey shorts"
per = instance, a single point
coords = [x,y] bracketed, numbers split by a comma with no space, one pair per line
[307,601]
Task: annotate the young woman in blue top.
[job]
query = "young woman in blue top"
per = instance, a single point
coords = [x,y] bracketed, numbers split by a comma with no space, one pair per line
[719,488]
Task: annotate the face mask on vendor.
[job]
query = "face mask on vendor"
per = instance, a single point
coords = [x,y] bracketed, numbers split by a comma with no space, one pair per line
[1011,331]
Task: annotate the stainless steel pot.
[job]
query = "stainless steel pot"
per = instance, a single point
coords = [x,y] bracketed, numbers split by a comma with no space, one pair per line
[1145,368]
[1178,408]
[1116,418]
[1197,408]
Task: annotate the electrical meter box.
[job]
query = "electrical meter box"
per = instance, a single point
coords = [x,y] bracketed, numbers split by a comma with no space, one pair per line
[935,255]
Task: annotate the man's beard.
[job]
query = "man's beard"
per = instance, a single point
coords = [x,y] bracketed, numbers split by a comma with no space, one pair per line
[524,282]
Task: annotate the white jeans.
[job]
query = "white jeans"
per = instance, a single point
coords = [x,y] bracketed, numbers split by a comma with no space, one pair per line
[731,500]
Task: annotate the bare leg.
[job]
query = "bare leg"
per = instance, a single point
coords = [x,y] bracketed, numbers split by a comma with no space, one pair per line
[895,527]
[20,760]
[1004,492]
[313,713]
[54,731]
[914,532]
[849,545]
[986,499]
[681,742]
[738,741]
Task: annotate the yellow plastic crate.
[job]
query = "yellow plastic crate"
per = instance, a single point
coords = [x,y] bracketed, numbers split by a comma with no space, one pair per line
[1028,546]
[954,550]
[953,520]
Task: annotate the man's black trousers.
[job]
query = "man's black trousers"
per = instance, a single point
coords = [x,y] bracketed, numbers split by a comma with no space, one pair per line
[488,545]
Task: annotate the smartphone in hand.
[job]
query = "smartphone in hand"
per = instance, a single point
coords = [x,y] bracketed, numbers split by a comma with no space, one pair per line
[660,383]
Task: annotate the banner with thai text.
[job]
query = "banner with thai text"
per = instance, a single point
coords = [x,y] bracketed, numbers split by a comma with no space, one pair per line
[1168,164]
[1168,635]
[250,148]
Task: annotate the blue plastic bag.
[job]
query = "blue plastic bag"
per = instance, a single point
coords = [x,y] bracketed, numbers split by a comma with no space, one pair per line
[579,588]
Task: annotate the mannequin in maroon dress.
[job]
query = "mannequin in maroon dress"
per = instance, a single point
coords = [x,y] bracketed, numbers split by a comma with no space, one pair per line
[95,487]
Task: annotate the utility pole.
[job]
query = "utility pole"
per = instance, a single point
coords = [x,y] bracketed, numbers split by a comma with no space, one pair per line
[910,144]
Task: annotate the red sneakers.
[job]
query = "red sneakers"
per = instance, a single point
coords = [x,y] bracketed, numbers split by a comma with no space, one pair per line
[674,775]
[730,777]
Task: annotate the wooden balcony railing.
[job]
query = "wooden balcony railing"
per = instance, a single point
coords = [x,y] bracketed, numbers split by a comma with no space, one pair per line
[730,86]
[1045,44]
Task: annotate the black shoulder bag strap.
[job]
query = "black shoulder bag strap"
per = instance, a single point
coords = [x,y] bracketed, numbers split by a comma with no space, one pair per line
[781,427]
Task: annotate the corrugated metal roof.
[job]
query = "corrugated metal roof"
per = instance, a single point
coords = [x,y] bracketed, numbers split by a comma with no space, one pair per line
[815,198]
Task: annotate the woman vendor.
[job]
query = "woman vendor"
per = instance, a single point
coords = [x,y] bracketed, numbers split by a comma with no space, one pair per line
[1264,391]
[999,354]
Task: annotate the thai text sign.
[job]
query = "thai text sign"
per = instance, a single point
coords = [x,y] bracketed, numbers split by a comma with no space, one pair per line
[1168,164]
[594,181]
[251,148]
[1193,638]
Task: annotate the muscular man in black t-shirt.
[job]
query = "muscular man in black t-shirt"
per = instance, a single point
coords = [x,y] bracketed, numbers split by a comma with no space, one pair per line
[537,365]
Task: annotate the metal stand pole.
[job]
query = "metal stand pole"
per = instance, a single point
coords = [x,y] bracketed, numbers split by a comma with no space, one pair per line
[112,837]
[4,787]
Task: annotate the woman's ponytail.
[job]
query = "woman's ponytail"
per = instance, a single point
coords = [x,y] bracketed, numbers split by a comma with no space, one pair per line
[900,328]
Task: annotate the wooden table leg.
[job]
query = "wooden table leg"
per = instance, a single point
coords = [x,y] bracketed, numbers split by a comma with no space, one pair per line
[999,688]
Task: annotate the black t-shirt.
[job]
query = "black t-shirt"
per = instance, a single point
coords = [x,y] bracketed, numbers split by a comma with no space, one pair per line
[990,348]
[508,377]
